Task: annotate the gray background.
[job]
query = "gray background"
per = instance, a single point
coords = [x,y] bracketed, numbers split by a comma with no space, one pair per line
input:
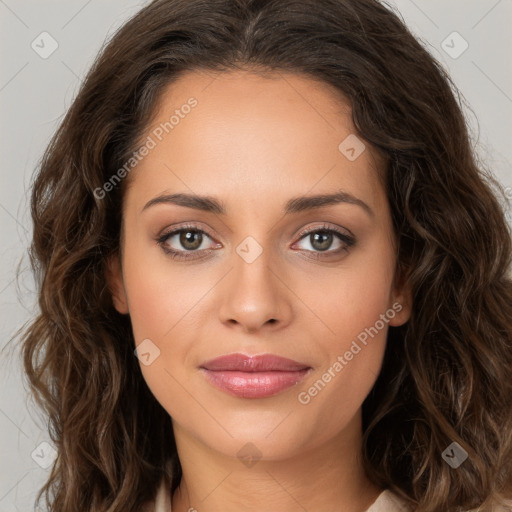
[35,93]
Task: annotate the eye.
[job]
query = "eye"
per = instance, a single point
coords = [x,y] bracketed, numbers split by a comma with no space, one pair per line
[189,239]
[321,239]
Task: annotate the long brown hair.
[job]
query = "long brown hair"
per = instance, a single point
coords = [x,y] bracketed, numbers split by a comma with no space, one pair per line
[447,373]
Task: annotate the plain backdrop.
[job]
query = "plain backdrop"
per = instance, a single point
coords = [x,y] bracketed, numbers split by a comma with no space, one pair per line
[35,92]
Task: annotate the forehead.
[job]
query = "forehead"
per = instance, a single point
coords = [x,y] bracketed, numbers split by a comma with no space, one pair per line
[252,132]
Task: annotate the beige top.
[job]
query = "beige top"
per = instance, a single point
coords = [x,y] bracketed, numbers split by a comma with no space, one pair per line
[386,502]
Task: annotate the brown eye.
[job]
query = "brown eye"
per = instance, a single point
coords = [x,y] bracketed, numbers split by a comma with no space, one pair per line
[190,239]
[322,239]
[185,242]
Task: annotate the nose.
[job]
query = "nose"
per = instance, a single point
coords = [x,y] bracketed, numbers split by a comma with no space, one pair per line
[254,295]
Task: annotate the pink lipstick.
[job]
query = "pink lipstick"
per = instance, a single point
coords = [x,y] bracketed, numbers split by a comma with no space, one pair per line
[253,377]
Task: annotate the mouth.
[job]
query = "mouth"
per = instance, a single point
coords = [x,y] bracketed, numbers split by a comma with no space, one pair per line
[254,377]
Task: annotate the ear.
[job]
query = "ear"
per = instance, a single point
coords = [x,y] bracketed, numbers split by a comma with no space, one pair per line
[401,299]
[114,277]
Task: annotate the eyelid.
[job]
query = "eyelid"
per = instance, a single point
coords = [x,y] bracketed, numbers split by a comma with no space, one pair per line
[343,234]
[301,234]
[327,227]
[183,227]
[174,230]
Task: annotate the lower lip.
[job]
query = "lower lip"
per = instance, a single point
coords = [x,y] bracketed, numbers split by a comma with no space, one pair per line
[254,384]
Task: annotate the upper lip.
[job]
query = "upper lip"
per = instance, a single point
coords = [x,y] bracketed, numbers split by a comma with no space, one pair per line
[259,363]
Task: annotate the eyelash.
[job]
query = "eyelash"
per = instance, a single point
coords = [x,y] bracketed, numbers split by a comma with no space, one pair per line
[348,240]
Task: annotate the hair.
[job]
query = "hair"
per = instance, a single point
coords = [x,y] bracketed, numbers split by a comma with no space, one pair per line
[446,372]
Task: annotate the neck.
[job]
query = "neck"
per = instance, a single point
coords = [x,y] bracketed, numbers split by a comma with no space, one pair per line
[327,477]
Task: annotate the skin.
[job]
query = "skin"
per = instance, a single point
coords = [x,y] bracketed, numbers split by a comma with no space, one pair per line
[255,142]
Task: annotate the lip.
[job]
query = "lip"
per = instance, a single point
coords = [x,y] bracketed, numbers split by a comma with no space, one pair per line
[261,363]
[254,376]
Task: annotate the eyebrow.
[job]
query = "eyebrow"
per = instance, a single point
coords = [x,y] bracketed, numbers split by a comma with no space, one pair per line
[294,205]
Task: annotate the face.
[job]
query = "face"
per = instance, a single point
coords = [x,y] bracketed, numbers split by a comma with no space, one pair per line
[259,267]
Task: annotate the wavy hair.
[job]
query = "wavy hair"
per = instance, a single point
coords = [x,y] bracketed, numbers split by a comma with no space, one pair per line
[446,373]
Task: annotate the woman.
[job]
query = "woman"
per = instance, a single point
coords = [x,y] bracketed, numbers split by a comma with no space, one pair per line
[272,274]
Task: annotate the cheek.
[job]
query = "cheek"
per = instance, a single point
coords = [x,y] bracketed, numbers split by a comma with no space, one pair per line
[165,304]
[352,297]
[353,304]
[159,294]
[159,300]
[352,356]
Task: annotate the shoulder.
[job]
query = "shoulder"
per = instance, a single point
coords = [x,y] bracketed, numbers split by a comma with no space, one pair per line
[387,501]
